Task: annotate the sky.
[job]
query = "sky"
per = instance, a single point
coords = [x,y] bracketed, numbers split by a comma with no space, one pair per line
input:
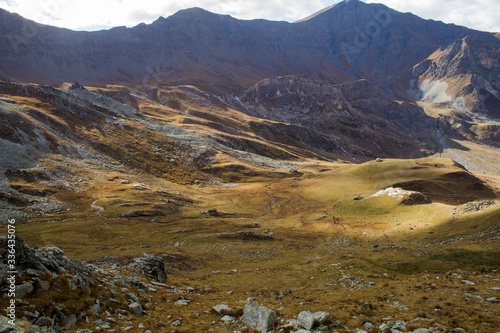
[103,14]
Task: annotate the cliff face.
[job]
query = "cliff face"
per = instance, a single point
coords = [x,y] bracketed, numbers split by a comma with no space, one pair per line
[471,69]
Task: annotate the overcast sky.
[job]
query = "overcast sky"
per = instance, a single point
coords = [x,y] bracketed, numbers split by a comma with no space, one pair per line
[102,14]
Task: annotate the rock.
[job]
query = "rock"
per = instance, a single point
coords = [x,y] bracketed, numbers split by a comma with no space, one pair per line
[420,323]
[492,300]
[95,308]
[219,308]
[135,309]
[44,285]
[306,320]
[140,187]
[6,327]
[24,289]
[132,297]
[176,323]
[399,325]
[415,198]
[468,283]
[368,327]
[258,317]
[458,330]
[224,310]
[227,319]
[358,198]
[183,302]
[421,330]
[151,266]
[322,317]
[69,321]
[367,306]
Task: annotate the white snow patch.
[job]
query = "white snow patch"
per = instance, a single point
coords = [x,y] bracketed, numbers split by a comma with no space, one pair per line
[435,92]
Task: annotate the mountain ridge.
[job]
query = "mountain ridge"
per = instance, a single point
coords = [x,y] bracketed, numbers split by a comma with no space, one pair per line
[195,46]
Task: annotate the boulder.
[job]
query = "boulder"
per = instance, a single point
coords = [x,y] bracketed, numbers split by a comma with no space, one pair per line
[322,318]
[24,289]
[151,266]
[135,309]
[306,320]
[258,317]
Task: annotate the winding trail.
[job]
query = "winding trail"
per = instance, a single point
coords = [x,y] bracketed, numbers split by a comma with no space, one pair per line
[98,208]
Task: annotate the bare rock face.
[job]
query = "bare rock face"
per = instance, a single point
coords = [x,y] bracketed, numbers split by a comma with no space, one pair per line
[475,66]
[151,266]
[357,116]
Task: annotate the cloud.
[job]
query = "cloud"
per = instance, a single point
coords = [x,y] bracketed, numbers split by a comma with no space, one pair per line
[476,14]
[89,14]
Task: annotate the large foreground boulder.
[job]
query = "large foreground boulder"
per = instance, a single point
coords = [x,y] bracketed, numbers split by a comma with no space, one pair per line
[258,317]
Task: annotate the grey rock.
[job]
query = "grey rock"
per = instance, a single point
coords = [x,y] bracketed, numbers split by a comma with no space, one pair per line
[24,289]
[306,320]
[468,283]
[492,300]
[6,327]
[322,317]
[183,302]
[132,297]
[176,323]
[135,309]
[95,308]
[368,326]
[151,266]
[219,308]
[458,330]
[399,325]
[44,285]
[421,330]
[69,321]
[258,317]
[227,319]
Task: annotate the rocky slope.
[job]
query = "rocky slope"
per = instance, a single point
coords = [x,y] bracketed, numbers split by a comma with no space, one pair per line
[471,69]
[54,293]
[358,116]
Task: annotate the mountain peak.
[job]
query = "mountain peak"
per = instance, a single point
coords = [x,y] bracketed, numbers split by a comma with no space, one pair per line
[345,4]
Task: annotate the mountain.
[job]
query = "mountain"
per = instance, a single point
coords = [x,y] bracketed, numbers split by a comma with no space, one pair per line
[350,40]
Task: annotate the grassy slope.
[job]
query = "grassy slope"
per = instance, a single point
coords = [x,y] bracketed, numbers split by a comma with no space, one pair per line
[322,237]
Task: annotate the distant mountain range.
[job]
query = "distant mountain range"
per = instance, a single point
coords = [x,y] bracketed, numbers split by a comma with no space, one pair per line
[355,80]
[348,41]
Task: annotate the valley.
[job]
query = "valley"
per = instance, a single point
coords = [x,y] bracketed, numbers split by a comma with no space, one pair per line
[208,174]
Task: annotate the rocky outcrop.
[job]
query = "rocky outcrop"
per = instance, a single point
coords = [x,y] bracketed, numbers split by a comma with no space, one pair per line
[151,266]
[357,116]
[74,290]
[471,69]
